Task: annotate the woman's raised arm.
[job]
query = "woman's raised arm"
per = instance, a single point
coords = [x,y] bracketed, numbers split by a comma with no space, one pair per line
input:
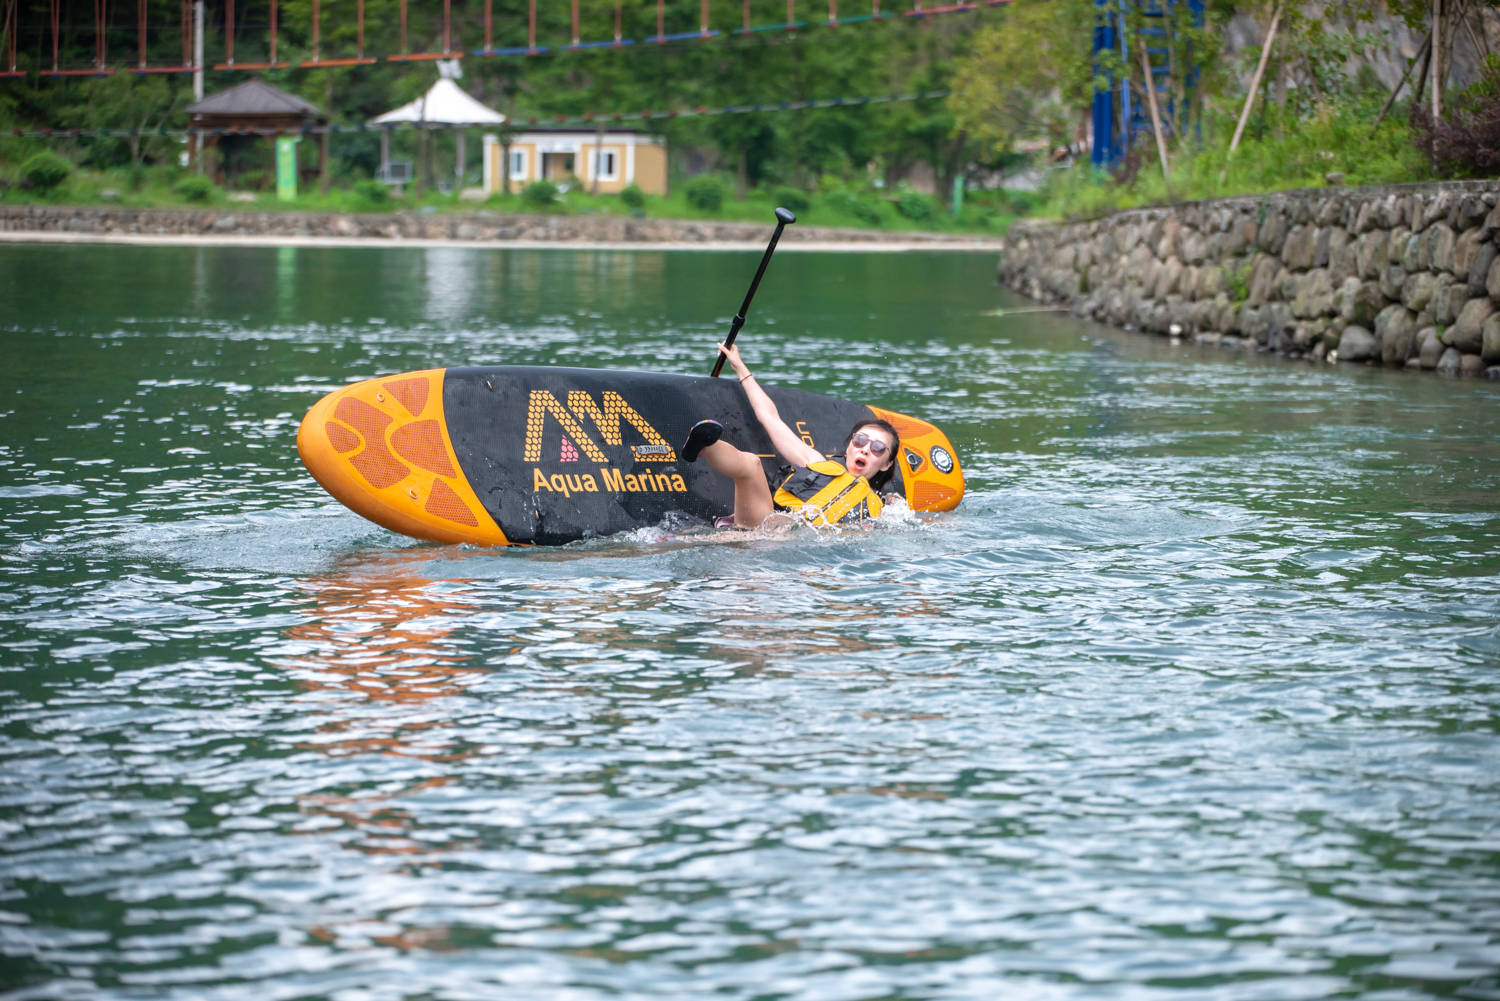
[788,444]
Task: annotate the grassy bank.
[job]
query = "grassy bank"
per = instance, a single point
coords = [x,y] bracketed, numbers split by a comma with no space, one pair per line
[1332,146]
[981,212]
[1345,142]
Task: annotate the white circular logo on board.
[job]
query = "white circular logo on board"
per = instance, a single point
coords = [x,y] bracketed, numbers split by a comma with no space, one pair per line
[941,459]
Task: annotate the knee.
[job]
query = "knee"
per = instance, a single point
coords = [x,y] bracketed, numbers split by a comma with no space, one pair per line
[729,460]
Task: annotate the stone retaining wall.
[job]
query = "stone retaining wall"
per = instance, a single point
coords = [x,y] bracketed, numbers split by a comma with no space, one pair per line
[85,221]
[1405,276]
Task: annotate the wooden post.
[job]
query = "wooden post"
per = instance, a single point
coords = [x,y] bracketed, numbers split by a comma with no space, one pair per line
[598,157]
[1481,43]
[324,139]
[1260,69]
[323,160]
[1437,61]
[423,172]
[1161,141]
[1421,56]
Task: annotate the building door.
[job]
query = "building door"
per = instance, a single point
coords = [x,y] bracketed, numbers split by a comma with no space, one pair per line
[557,166]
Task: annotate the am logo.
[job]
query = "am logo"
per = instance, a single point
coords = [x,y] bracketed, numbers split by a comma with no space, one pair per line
[607,415]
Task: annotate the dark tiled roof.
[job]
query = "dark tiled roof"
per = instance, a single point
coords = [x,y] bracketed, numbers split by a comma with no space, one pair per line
[254,97]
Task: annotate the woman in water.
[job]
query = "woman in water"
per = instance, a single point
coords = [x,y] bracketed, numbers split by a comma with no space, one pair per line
[824,488]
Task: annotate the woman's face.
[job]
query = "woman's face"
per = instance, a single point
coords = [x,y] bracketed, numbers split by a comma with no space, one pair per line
[861,459]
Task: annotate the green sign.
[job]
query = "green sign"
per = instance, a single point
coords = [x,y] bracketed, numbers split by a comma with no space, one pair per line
[286,167]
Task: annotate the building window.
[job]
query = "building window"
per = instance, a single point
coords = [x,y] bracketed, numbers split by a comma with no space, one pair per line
[606,165]
[518,165]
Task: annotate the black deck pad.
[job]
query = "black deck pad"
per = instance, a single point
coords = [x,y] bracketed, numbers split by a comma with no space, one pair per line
[558,454]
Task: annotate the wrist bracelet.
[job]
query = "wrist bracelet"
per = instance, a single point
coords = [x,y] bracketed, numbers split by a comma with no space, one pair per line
[747,375]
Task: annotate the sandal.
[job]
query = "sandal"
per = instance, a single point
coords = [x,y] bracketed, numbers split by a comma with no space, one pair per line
[702,435]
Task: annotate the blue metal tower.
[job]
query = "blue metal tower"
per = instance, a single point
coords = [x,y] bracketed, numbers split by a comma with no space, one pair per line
[1119,111]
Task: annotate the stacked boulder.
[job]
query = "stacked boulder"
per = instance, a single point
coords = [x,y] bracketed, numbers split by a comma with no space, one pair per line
[1404,276]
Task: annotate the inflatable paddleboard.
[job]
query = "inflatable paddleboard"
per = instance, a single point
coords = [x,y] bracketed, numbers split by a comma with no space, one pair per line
[541,455]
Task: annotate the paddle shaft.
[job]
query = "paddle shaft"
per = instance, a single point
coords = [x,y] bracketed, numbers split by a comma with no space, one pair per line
[783,216]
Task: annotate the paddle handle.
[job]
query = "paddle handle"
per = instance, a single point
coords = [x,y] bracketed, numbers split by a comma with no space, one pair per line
[783,217]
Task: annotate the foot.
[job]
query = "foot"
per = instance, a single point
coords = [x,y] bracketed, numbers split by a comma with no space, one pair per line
[703,434]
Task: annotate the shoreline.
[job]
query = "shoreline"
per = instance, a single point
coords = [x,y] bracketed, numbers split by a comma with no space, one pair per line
[1403,277]
[717,246]
[482,230]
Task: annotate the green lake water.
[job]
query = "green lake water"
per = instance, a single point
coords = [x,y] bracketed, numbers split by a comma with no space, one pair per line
[1195,696]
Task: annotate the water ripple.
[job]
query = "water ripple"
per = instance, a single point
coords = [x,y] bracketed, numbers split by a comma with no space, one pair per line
[1193,697]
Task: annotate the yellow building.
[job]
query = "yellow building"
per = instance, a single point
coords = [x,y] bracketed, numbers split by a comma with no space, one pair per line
[617,157]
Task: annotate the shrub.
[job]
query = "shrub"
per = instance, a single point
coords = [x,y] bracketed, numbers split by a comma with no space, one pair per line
[369,191]
[195,188]
[849,203]
[1466,141]
[46,170]
[1019,201]
[1237,281]
[917,208]
[540,195]
[793,199]
[633,197]
[254,180]
[133,176]
[705,193]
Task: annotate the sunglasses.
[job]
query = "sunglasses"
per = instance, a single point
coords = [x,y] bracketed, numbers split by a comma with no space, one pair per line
[875,445]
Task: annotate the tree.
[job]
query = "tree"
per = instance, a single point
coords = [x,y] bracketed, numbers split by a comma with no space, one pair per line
[139,104]
[1028,77]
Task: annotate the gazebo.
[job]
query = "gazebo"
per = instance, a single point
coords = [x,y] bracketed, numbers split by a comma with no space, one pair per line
[445,103]
[249,113]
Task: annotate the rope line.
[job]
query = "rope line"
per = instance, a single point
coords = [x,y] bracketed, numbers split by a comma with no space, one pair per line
[452,50]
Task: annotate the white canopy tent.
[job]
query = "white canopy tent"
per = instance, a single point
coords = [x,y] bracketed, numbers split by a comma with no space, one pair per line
[445,103]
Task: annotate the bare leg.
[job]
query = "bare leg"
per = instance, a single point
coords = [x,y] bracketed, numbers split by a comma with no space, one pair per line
[752,494]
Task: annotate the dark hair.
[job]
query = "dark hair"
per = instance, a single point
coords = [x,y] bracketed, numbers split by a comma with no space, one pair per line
[880,479]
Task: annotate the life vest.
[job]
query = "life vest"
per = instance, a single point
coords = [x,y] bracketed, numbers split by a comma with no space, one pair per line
[826,493]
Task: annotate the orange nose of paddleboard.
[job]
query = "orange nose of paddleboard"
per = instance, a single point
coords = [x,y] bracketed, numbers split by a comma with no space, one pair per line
[929,466]
[381,448]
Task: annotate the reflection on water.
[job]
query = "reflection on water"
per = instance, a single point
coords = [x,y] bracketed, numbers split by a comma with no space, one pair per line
[384,639]
[286,284]
[452,275]
[1194,696]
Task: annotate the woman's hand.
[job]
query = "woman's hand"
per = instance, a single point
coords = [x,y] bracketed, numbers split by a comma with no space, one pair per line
[732,355]
[788,444]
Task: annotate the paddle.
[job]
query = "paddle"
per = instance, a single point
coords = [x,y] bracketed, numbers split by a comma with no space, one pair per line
[783,216]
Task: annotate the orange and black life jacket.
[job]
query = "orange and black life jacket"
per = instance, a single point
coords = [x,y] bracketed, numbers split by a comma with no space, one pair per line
[826,493]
